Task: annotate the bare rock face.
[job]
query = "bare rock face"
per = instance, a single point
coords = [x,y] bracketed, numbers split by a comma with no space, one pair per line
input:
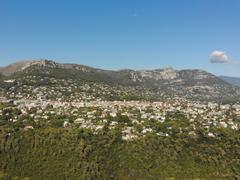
[201,75]
[168,73]
[22,65]
[14,68]
[135,77]
[163,74]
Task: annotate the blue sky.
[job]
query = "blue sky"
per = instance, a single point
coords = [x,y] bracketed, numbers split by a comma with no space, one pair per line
[116,34]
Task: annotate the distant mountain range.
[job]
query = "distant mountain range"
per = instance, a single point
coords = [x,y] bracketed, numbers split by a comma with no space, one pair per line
[168,82]
[232,80]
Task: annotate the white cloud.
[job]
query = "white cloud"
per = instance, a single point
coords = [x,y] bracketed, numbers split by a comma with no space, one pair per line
[219,57]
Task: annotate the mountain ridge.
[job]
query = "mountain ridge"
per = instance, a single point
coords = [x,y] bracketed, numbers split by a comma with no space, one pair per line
[188,83]
[232,80]
[21,65]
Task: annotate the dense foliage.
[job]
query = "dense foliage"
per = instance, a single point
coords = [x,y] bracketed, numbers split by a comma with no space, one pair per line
[62,153]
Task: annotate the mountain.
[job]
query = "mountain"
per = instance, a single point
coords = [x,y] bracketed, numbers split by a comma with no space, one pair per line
[69,80]
[22,65]
[232,80]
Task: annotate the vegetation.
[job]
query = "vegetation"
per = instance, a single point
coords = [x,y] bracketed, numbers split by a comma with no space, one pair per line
[73,153]
[43,135]
[66,79]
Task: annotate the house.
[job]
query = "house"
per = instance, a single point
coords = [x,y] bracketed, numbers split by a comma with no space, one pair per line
[28,128]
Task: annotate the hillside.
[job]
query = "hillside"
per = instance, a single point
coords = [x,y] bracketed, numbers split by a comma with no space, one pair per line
[53,153]
[232,80]
[69,121]
[125,84]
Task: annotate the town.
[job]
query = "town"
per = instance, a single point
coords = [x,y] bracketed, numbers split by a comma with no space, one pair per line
[135,118]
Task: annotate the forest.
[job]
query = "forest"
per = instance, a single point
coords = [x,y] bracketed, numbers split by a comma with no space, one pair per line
[62,153]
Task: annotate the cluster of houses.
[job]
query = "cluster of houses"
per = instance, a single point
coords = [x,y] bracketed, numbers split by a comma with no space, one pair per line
[31,87]
[139,117]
